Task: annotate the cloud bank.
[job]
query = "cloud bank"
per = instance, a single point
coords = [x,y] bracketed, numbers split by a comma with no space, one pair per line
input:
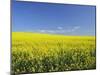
[60,30]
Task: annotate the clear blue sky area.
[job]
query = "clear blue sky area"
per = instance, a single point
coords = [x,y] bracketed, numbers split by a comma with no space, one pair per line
[53,18]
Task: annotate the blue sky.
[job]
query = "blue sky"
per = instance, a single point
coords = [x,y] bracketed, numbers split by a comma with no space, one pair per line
[53,18]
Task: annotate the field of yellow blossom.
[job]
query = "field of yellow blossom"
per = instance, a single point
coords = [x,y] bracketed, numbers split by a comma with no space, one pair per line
[36,52]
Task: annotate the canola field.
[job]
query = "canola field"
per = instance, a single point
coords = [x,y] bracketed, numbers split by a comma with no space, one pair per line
[35,53]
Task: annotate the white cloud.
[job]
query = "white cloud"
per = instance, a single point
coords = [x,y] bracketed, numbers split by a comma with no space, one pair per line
[51,31]
[60,28]
[42,31]
[74,28]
